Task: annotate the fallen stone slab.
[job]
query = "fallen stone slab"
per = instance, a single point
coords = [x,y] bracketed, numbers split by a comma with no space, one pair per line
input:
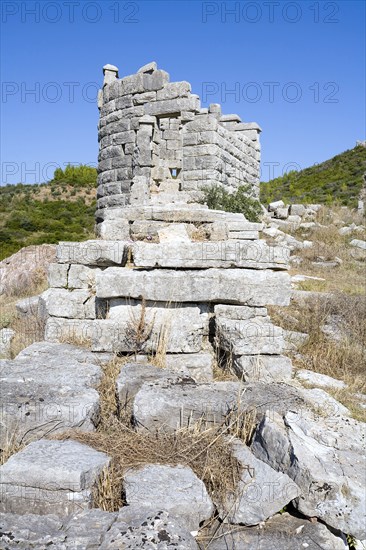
[260,493]
[48,388]
[282,532]
[137,526]
[175,489]
[319,380]
[93,252]
[170,406]
[324,455]
[266,368]
[226,254]
[133,376]
[236,286]
[357,243]
[50,477]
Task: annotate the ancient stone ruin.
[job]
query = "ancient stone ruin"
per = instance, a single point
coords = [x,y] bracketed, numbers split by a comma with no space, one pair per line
[181,290]
[157,145]
[196,278]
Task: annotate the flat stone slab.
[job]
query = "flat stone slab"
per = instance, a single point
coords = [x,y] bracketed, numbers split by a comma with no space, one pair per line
[50,477]
[175,489]
[236,286]
[179,213]
[138,527]
[170,406]
[319,380]
[324,455]
[93,252]
[260,493]
[282,532]
[197,366]
[224,254]
[72,304]
[49,388]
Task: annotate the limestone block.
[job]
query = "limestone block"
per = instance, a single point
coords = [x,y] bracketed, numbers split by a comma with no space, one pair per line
[76,304]
[93,252]
[82,277]
[272,207]
[114,230]
[146,97]
[181,252]
[172,406]
[48,388]
[263,367]
[281,213]
[155,81]
[171,237]
[139,526]
[323,454]
[250,336]
[236,286]
[261,491]
[144,329]
[297,210]
[175,489]
[281,532]
[174,90]
[57,275]
[148,68]
[172,106]
[60,329]
[51,477]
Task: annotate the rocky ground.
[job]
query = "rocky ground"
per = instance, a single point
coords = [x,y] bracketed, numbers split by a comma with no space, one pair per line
[135,451]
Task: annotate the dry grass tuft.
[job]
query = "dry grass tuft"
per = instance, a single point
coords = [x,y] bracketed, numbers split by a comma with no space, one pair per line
[206,451]
[342,357]
[11,447]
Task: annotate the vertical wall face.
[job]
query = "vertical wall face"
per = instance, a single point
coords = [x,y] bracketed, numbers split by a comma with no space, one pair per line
[158,146]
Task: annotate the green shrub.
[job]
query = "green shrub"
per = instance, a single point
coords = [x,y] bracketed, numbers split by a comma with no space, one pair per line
[242,201]
[81,176]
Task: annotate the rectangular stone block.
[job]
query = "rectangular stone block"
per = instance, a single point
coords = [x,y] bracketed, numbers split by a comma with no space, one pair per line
[226,254]
[155,81]
[93,252]
[249,336]
[173,90]
[265,368]
[236,286]
[57,275]
[72,331]
[136,328]
[82,277]
[172,106]
[76,304]
[116,230]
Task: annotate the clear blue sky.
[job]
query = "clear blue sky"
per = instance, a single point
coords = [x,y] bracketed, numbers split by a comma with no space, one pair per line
[297,68]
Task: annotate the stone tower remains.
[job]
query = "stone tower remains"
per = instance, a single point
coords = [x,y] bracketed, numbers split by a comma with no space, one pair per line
[158,146]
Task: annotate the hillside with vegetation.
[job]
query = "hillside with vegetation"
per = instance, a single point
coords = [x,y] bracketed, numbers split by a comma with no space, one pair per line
[337,180]
[62,209]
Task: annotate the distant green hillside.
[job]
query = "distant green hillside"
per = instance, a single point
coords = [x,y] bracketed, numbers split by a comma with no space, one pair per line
[61,210]
[337,180]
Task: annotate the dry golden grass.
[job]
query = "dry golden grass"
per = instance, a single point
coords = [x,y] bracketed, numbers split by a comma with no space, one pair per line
[328,244]
[11,447]
[344,358]
[206,451]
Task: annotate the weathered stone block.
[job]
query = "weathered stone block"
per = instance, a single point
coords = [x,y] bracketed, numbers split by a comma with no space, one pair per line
[76,304]
[263,367]
[175,489]
[50,477]
[236,286]
[57,275]
[226,254]
[92,252]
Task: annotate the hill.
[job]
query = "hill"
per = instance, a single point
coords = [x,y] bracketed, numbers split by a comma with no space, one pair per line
[337,180]
[62,209]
